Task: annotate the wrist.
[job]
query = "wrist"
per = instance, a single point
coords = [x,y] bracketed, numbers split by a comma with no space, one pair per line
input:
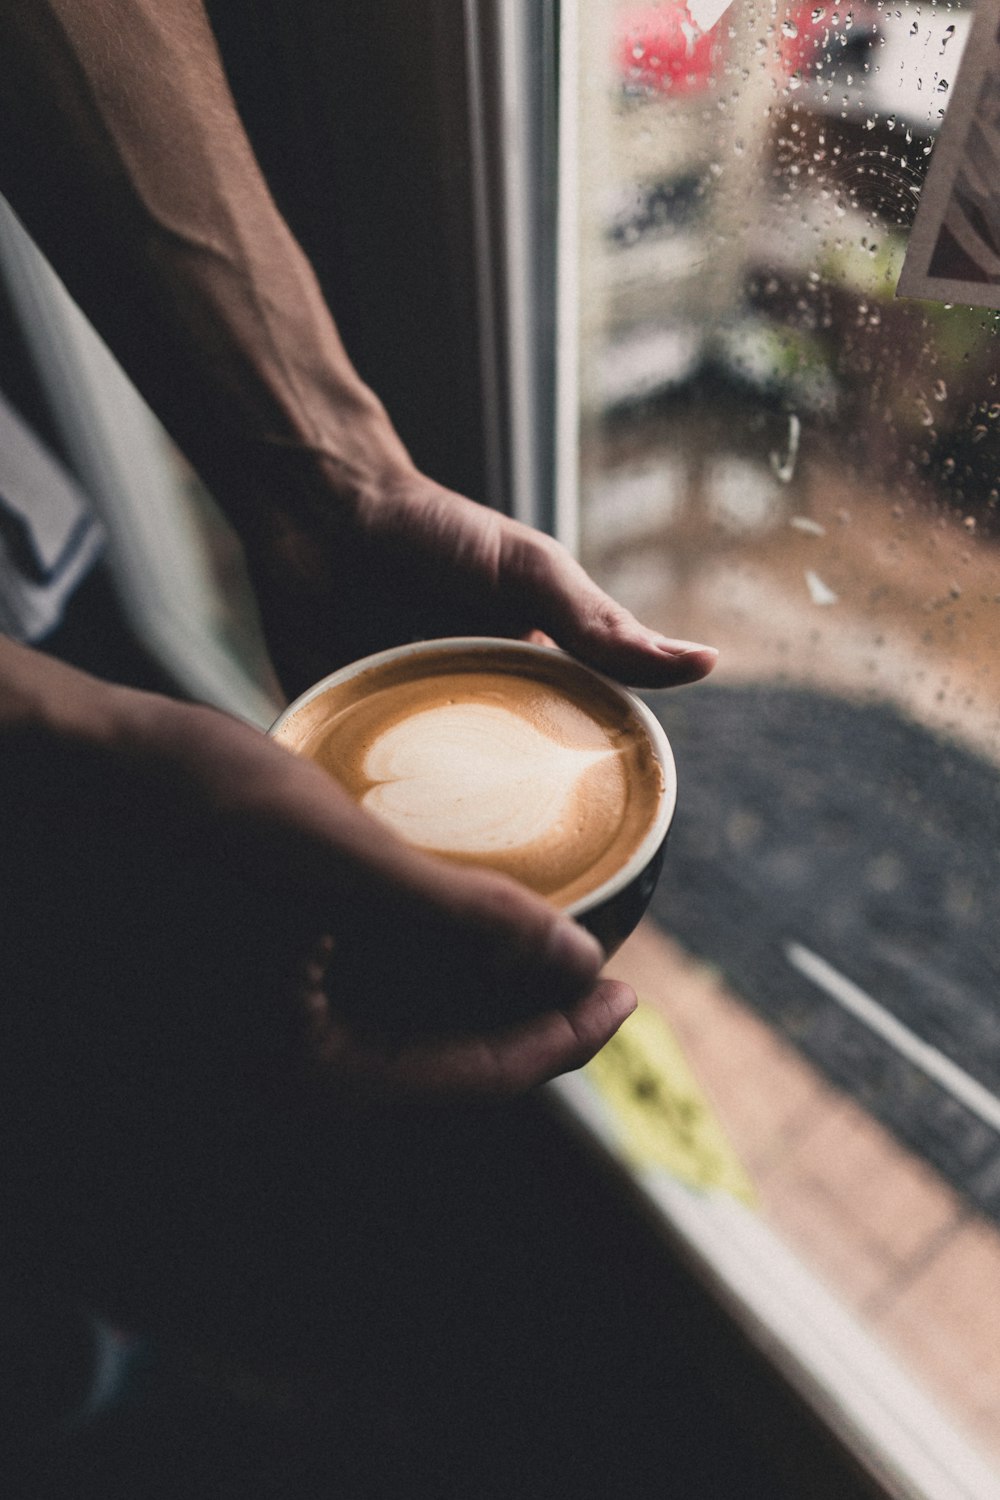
[324,487]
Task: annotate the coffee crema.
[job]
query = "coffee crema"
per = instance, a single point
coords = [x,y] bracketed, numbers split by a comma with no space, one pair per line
[524,763]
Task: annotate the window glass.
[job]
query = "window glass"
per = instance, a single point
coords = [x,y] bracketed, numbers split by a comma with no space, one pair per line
[780,457]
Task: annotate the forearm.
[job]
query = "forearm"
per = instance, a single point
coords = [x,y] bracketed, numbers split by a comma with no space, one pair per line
[122,150]
[40,696]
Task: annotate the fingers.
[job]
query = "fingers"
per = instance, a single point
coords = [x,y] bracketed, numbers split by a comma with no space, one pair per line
[554,590]
[498,1066]
[421,945]
[461,953]
[353,1062]
[519,940]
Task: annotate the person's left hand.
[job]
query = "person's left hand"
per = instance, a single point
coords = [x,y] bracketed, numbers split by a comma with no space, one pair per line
[339,579]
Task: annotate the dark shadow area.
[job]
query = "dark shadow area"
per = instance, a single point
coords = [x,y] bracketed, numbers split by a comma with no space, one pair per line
[474,1309]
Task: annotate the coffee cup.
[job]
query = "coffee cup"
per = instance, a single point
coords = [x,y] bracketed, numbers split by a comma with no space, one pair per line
[502,753]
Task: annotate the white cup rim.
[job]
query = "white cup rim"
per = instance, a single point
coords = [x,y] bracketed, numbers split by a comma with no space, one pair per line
[650,843]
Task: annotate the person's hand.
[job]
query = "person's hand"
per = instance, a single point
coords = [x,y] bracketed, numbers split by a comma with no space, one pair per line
[339,576]
[174,868]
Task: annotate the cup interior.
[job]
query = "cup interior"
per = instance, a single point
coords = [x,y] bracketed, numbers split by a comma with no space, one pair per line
[651,842]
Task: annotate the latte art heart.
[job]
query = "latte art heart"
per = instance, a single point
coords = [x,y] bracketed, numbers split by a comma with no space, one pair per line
[473,779]
[517,759]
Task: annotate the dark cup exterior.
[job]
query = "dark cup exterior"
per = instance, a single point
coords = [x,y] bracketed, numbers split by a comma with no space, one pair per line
[617,918]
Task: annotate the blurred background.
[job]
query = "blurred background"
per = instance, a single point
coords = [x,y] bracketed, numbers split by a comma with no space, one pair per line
[780,457]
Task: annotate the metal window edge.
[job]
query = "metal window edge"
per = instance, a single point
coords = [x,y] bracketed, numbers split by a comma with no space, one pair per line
[512,75]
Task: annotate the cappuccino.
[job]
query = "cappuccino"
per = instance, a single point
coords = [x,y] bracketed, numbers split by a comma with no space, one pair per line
[517,759]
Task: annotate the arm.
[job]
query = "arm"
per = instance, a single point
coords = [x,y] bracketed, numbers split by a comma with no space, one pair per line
[122,149]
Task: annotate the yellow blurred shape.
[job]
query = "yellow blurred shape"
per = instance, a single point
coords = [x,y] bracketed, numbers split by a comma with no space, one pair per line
[658,1110]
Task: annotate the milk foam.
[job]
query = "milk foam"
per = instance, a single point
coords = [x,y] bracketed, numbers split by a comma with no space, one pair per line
[528,765]
[473,778]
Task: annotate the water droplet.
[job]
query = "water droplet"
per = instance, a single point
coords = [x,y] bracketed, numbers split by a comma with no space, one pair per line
[942,86]
[819,592]
[784,467]
[969,523]
[789,28]
[940,391]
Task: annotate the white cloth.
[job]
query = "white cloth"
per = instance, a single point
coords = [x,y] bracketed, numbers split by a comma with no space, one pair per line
[49,536]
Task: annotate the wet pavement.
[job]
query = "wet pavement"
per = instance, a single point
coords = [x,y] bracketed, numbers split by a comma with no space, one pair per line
[805,819]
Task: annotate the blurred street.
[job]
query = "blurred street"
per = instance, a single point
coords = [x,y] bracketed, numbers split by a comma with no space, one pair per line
[804,820]
[838,773]
[781,458]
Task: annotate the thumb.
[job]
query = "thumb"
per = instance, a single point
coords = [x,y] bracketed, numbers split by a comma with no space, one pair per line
[560,597]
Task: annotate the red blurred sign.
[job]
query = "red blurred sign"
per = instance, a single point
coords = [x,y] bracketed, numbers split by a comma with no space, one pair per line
[660,48]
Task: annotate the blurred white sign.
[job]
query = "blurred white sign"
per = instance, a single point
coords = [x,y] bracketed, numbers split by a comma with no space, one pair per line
[954,249]
[705,13]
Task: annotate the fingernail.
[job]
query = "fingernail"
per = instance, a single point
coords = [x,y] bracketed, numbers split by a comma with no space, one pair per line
[681,648]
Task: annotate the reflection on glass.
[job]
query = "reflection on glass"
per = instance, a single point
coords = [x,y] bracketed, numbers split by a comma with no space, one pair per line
[780,457]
